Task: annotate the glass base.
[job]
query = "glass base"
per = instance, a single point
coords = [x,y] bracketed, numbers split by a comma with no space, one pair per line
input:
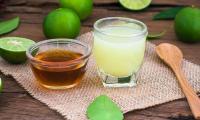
[58,87]
[112,81]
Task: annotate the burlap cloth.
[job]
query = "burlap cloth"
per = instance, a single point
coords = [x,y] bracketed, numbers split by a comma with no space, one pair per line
[156,85]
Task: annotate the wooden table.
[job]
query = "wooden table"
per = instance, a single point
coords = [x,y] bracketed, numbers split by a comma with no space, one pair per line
[17,104]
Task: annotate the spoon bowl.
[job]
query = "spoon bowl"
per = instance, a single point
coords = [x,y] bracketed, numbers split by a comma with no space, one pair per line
[170,54]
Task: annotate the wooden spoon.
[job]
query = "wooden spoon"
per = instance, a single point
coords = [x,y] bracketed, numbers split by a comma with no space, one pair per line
[173,56]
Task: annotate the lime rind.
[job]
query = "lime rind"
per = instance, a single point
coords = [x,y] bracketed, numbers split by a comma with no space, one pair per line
[135,4]
[15,44]
[13,49]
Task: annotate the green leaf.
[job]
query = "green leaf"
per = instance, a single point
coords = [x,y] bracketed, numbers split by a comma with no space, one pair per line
[168,14]
[156,35]
[9,25]
[103,108]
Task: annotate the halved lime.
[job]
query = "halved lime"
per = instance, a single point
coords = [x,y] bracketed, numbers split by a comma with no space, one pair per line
[1,85]
[13,49]
[135,4]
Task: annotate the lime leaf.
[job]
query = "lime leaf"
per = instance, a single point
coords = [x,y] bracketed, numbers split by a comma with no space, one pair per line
[156,35]
[103,108]
[0,85]
[9,25]
[168,14]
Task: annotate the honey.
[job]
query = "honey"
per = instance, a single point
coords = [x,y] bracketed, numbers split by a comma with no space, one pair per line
[60,76]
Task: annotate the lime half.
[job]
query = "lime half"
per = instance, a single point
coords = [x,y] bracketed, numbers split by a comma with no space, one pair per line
[13,49]
[135,4]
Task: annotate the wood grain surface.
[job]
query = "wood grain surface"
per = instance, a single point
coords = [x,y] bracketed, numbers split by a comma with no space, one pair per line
[17,104]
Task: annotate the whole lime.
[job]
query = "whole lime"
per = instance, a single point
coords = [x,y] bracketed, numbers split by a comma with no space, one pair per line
[82,7]
[61,23]
[187,25]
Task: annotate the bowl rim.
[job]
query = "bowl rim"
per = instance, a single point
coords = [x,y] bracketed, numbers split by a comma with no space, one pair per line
[58,64]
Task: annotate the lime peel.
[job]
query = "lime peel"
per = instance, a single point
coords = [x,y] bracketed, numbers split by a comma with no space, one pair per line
[83,8]
[61,23]
[103,108]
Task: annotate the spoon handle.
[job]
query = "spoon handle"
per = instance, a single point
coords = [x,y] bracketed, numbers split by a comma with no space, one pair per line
[192,98]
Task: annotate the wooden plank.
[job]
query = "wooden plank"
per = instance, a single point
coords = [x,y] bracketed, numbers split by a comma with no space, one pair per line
[10,85]
[37,18]
[156,2]
[167,111]
[100,2]
[46,9]
[18,106]
[21,106]
[34,31]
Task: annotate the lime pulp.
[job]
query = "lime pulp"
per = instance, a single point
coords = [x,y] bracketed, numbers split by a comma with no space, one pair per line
[15,43]
[135,4]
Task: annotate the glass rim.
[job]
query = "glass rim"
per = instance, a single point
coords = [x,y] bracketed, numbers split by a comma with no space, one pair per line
[144,30]
[58,64]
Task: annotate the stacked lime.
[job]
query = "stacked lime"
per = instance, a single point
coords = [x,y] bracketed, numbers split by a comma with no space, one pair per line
[61,23]
[65,22]
[82,7]
[13,49]
[187,25]
[135,4]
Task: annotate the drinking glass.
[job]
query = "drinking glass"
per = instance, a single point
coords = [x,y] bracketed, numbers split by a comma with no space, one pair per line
[119,46]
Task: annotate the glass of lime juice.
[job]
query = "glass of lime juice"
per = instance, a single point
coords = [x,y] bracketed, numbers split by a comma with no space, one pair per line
[119,46]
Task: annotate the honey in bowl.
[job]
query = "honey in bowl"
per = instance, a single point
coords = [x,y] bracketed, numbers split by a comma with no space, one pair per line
[58,77]
[59,63]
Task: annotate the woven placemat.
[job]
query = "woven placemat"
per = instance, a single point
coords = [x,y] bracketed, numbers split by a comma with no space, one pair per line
[156,85]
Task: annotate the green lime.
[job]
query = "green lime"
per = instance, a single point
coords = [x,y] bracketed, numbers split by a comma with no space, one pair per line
[135,4]
[1,86]
[82,7]
[13,49]
[187,25]
[61,23]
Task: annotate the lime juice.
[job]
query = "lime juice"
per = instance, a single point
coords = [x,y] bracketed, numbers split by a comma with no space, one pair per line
[118,49]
